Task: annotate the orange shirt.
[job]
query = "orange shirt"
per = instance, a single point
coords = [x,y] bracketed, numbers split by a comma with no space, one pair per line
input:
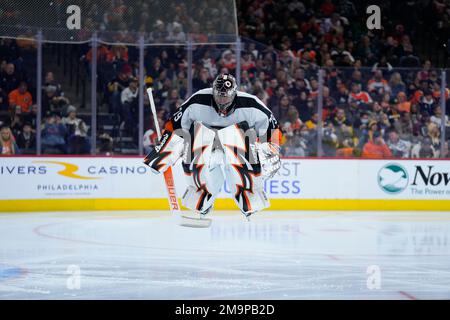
[295,125]
[344,152]
[23,100]
[373,151]
[404,106]
[7,147]
[277,137]
[373,84]
[361,96]
[103,54]
[416,96]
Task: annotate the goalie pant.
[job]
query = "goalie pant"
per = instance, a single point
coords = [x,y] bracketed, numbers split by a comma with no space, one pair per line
[215,149]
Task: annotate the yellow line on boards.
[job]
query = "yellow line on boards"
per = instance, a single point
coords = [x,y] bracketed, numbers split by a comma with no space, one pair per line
[223,204]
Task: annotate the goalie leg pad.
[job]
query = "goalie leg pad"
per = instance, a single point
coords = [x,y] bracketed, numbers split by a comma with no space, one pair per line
[203,187]
[197,200]
[203,170]
[242,168]
[246,188]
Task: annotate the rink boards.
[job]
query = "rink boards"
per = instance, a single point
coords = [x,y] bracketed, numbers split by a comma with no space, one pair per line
[125,183]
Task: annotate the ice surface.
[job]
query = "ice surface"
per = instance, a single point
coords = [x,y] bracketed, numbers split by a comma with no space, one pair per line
[278,255]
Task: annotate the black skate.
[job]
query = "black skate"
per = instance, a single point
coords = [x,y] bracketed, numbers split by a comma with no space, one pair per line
[248,214]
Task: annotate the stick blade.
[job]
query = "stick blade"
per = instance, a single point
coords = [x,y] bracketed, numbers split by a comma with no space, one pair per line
[193,220]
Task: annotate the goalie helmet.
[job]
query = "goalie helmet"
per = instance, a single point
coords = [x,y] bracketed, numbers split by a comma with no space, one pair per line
[224,92]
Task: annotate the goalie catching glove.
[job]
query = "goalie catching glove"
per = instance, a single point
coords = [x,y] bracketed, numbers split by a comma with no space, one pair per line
[269,157]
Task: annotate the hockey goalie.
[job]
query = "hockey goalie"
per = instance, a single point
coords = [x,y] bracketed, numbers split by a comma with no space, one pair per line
[221,134]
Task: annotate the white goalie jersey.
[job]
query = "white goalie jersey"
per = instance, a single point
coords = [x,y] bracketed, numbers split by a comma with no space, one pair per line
[247,108]
[241,149]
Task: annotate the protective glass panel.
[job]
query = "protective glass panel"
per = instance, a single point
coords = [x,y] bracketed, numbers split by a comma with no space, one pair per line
[66,112]
[382,112]
[120,21]
[18,95]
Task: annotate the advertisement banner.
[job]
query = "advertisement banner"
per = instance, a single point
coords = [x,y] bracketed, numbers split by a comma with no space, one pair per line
[103,177]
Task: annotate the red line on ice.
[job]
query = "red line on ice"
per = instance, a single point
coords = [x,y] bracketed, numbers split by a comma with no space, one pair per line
[407,295]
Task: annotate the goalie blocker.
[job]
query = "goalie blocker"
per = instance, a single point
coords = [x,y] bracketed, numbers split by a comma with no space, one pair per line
[212,156]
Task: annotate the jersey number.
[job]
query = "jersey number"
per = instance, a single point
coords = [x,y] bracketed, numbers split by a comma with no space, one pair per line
[177,115]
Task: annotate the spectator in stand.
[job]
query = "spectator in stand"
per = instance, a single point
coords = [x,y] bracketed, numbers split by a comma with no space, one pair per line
[247,62]
[367,132]
[357,78]
[120,54]
[103,54]
[129,99]
[403,104]
[246,83]
[396,84]
[434,134]
[341,95]
[53,135]
[329,140]
[293,122]
[9,79]
[437,117]
[50,81]
[209,63]
[427,102]
[378,85]
[404,126]
[160,33]
[343,127]
[358,95]
[399,148]
[347,149]
[377,112]
[8,144]
[282,108]
[424,149]
[202,80]
[51,101]
[32,116]
[78,142]
[151,138]
[312,123]
[21,97]
[16,120]
[155,69]
[26,140]
[228,60]
[115,88]
[176,35]
[376,148]
[173,102]
[272,88]
[294,146]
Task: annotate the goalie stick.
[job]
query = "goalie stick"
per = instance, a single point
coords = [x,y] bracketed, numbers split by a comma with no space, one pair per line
[183,219]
